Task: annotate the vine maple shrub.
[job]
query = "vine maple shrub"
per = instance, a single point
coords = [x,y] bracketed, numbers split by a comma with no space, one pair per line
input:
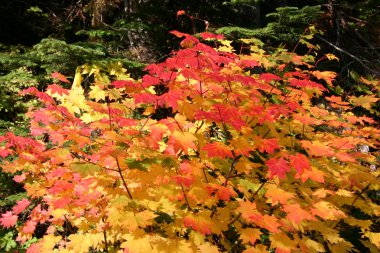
[211,151]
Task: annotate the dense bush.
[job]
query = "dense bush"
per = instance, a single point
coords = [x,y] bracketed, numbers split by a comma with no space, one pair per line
[211,151]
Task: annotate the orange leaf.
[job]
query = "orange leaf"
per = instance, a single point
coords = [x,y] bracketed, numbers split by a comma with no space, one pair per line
[180,13]
[198,223]
[60,77]
[217,149]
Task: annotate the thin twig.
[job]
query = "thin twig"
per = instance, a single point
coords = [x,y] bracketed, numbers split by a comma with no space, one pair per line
[122,178]
[349,54]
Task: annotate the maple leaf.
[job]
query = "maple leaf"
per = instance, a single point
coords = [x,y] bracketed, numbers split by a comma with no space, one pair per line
[364,101]
[56,89]
[180,13]
[217,149]
[313,174]
[277,167]
[328,76]
[20,206]
[60,77]
[97,93]
[148,80]
[4,152]
[171,98]
[282,243]
[198,223]
[250,235]
[277,195]
[29,227]
[317,148]
[268,145]
[182,141]
[211,36]
[374,238]
[296,214]
[8,219]
[326,210]
[221,192]
[299,162]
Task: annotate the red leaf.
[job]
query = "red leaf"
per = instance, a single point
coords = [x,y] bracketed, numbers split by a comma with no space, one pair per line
[148,80]
[20,206]
[19,178]
[180,13]
[60,77]
[8,219]
[268,77]
[171,98]
[299,162]
[123,84]
[207,35]
[277,167]
[145,98]
[29,227]
[4,152]
[217,149]
[54,88]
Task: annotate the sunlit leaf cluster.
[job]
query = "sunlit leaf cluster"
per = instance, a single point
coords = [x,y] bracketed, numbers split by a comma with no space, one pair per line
[210,151]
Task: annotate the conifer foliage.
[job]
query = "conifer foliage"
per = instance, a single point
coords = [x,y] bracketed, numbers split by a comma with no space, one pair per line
[211,151]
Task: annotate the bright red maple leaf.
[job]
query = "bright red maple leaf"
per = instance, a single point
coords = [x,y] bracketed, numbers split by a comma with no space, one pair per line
[278,167]
[54,88]
[8,219]
[299,162]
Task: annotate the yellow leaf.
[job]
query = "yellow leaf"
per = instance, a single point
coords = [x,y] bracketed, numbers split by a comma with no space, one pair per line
[374,238]
[364,101]
[331,57]
[282,243]
[137,244]
[316,246]
[257,249]
[48,243]
[81,243]
[97,93]
[326,210]
[208,248]
[250,235]
[341,247]
[59,213]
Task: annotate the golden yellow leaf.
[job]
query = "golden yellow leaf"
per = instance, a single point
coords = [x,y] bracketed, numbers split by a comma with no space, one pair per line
[97,93]
[374,238]
[331,57]
[316,246]
[282,243]
[207,248]
[250,235]
[364,101]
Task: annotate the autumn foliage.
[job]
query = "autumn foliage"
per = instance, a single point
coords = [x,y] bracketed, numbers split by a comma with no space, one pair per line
[211,151]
